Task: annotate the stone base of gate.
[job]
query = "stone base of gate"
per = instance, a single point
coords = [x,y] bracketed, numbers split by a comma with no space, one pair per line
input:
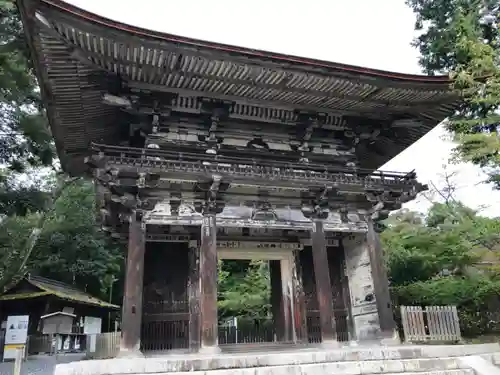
[410,359]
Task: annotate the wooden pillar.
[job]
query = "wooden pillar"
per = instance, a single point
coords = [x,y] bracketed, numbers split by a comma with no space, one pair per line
[340,313]
[277,299]
[323,285]
[208,279]
[132,298]
[346,294]
[380,284]
[299,302]
[194,296]
[287,297]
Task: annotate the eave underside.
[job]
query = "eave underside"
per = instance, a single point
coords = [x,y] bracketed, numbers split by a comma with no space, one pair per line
[78,60]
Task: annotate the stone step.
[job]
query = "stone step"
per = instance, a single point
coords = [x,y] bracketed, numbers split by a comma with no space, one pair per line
[437,372]
[421,366]
[259,347]
[323,369]
[313,361]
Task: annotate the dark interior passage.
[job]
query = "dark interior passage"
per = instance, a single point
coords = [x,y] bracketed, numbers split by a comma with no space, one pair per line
[165,320]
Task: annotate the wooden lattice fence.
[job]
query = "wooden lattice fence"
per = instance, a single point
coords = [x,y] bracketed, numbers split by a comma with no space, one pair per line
[103,345]
[430,323]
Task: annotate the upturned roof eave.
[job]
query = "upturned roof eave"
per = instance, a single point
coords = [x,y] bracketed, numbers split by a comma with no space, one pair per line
[72,155]
[214,47]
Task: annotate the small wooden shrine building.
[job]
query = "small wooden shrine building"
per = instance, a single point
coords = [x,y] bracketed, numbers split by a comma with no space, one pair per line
[203,151]
[39,296]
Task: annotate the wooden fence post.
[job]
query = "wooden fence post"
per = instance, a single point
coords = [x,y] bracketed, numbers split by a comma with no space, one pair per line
[18,362]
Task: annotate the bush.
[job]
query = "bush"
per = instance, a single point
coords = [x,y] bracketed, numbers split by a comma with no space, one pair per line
[476,297]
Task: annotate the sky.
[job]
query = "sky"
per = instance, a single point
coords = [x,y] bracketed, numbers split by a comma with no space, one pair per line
[374,34]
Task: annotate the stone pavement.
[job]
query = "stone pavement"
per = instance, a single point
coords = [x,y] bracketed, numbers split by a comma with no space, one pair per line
[39,365]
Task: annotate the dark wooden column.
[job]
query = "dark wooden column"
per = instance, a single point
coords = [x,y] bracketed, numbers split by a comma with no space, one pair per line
[323,285]
[380,282]
[277,299]
[208,278]
[132,298]
[346,294]
[194,296]
[300,311]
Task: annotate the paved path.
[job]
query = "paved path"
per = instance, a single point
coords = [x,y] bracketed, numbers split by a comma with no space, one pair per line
[39,365]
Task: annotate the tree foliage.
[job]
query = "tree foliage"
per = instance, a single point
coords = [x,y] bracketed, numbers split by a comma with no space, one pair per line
[70,247]
[449,256]
[244,289]
[25,138]
[462,38]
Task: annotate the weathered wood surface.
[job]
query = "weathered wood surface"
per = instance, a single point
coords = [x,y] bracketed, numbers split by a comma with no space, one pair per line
[380,281]
[431,323]
[194,297]
[277,307]
[300,309]
[208,273]
[323,284]
[132,299]
[287,295]
[107,345]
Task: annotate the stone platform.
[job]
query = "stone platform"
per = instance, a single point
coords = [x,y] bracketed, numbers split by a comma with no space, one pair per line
[407,359]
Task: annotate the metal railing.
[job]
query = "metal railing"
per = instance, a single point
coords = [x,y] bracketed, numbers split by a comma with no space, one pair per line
[341,327]
[165,335]
[248,332]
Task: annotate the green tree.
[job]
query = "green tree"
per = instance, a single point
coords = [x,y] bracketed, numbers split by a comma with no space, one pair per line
[25,138]
[23,196]
[419,249]
[447,257]
[70,246]
[461,37]
[245,293]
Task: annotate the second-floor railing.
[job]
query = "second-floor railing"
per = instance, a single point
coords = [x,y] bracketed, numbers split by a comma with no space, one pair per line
[265,167]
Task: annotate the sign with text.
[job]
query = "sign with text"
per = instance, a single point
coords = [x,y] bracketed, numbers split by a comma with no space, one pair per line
[16,335]
[92,325]
[259,245]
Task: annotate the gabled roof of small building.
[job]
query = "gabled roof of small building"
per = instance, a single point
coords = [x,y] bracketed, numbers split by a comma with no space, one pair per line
[58,313]
[80,55]
[47,287]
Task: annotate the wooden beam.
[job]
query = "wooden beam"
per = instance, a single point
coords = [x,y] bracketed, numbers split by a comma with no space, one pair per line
[160,71]
[275,104]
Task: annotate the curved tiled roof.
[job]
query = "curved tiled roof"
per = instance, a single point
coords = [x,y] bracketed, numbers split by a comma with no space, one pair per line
[58,289]
[77,53]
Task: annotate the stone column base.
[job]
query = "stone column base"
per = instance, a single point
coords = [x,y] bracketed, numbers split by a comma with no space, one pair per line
[390,338]
[382,339]
[330,344]
[129,353]
[209,350]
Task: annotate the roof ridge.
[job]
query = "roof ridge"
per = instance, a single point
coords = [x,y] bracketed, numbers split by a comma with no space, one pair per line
[55,283]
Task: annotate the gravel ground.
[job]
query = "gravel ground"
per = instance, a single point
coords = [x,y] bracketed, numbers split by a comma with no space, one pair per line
[39,365]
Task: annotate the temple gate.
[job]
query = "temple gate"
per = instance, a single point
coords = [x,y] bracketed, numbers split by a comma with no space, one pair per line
[201,151]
